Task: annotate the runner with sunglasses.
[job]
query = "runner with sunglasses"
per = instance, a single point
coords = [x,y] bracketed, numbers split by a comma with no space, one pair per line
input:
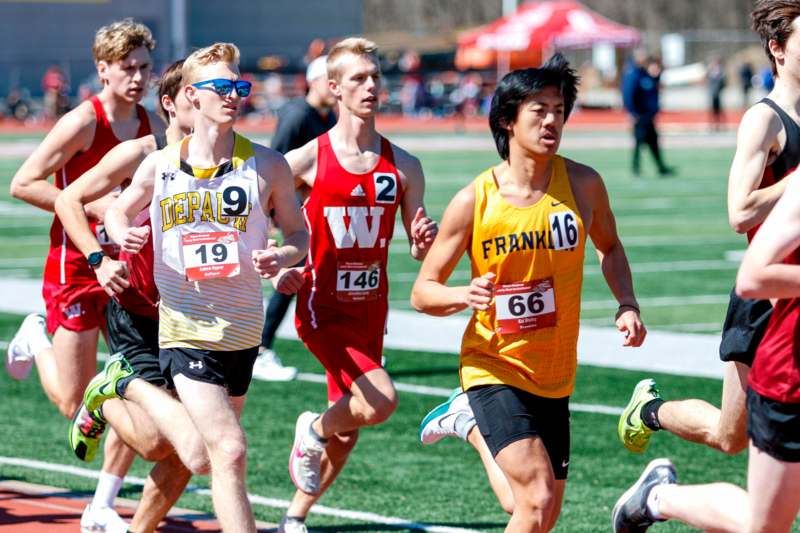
[208,196]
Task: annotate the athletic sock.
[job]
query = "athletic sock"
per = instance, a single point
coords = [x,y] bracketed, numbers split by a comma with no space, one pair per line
[464,424]
[122,385]
[314,435]
[108,486]
[653,501]
[649,414]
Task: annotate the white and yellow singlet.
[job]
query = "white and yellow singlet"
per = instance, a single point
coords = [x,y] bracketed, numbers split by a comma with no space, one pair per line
[206,222]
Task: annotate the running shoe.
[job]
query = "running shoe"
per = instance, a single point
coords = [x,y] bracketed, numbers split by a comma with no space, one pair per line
[268,367]
[451,418]
[85,432]
[630,514]
[633,433]
[291,525]
[31,337]
[104,385]
[102,519]
[305,459]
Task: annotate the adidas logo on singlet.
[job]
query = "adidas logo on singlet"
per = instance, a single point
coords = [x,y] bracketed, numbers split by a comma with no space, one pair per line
[358,190]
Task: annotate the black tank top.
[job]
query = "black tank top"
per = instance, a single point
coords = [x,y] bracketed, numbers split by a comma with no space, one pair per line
[789,157]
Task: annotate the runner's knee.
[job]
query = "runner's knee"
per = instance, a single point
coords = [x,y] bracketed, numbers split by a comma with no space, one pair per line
[230,452]
[378,409]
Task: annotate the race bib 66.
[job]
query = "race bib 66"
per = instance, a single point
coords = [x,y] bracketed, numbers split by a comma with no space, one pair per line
[525,306]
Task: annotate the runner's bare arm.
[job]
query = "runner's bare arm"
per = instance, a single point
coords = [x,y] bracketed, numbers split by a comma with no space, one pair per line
[117,165]
[748,205]
[430,295]
[762,274]
[278,190]
[73,133]
[129,204]
[421,229]
[611,254]
[303,164]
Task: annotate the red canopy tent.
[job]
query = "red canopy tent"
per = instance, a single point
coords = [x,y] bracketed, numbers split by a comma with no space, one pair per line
[523,38]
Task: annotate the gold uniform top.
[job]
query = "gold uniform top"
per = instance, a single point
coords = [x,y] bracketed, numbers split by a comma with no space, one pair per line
[528,338]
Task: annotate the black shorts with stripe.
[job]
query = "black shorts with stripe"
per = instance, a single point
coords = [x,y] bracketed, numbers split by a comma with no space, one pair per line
[136,338]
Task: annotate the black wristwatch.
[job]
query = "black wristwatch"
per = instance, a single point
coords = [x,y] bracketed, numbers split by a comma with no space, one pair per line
[95,258]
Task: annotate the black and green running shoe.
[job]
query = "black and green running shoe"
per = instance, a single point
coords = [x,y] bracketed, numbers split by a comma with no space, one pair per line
[633,432]
[104,385]
[85,432]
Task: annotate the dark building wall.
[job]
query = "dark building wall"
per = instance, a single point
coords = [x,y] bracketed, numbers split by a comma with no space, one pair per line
[35,35]
[274,27]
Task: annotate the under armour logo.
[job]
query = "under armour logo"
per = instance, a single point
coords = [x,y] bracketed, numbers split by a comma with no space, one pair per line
[167,175]
[196,365]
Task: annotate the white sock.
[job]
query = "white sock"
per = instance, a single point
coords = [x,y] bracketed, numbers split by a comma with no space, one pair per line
[107,489]
[653,500]
[464,424]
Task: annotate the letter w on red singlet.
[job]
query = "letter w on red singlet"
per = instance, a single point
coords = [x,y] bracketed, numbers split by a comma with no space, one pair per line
[360,231]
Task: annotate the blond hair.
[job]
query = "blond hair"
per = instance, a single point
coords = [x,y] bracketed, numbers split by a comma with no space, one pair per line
[357,46]
[118,39]
[216,53]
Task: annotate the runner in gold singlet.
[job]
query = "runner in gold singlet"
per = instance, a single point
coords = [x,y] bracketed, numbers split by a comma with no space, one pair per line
[524,225]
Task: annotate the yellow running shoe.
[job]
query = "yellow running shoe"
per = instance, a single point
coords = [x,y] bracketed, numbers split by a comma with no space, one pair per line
[633,433]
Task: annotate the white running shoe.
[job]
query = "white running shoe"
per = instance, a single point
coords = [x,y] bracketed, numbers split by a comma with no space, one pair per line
[268,367]
[102,519]
[291,525]
[453,418]
[304,461]
[31,337]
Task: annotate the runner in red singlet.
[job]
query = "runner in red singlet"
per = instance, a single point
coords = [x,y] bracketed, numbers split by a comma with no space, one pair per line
[358,180]
[75,303]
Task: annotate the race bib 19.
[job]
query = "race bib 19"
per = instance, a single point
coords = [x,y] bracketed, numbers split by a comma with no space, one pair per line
[525,306]
[211,254]
[357,281]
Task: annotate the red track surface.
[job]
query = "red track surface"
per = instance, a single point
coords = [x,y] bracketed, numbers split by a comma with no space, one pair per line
[583,119]
[27,508]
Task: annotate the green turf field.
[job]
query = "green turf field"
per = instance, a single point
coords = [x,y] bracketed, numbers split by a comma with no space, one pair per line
[677,238]
[390,473]
[675,232]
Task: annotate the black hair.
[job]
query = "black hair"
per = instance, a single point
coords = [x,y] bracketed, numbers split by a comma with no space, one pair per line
[519,85]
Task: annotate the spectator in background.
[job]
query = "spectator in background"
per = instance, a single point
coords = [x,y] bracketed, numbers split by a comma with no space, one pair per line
[746,79]
[715,78]
[299,121]
[54,86]
[640,94]
[766,79]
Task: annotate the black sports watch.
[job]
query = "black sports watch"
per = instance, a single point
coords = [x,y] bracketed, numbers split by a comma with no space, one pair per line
[95,258]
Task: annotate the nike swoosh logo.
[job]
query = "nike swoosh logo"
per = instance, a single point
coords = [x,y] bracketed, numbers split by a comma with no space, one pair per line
[554,204]
[628,418]
[564,464]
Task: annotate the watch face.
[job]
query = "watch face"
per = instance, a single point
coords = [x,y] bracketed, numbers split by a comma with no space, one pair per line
[95,258]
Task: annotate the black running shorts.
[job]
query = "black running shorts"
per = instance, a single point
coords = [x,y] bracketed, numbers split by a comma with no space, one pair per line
[506,414]
[135,337]
[745,324]
[774,427]
[233,370]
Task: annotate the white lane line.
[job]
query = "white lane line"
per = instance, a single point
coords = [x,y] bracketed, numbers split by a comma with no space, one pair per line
[444,393]
[254,498]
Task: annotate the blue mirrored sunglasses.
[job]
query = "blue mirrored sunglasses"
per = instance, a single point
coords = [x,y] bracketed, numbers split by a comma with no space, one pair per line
[224,87]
